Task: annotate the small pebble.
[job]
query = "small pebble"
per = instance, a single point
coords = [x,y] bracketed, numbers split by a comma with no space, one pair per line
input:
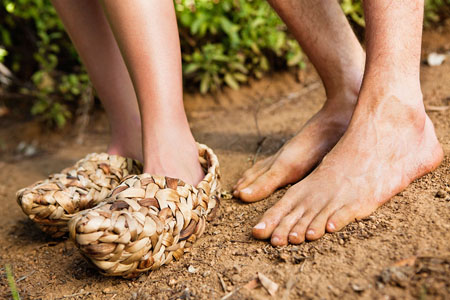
[341,242]
[237,269]
[191,269]
[284,257]
[441,194]
[259,250]
[357,287]
[106,290]
[435,59]
[206,273]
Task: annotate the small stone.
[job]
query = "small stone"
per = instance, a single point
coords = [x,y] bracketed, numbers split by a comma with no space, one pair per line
[106,290]
[259,250]
[357,287]
[206,273]
[341,242]
[172,282]
[441,194]
[191,269]
[434,59]
[237,269]
[284,257]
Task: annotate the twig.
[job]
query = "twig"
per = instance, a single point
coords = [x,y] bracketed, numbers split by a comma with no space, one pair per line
[76,294]
[258,149]
[222,283]
[231,293]
[11,283]
[24,277]
[436,108]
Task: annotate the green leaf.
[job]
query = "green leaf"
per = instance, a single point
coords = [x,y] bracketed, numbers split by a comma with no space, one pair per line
[231,82]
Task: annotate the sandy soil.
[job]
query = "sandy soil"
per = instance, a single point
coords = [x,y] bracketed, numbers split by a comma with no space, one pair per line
[402,251]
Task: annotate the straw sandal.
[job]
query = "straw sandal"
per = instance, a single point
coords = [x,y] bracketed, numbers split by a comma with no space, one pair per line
[52,202]
[147,221]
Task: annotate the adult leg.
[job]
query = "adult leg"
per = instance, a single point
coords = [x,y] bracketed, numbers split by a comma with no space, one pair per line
[390,140]
[147,34]
[326,37]
[89,30]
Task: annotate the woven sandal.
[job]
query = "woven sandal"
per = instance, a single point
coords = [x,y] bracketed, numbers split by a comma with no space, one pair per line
[52,202]
[147,221]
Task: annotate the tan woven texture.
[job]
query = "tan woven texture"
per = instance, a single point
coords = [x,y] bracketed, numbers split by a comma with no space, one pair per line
[52,202]
[147,221]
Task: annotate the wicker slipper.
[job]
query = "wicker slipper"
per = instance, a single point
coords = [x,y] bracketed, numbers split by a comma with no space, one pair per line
[147,221]
[52,202]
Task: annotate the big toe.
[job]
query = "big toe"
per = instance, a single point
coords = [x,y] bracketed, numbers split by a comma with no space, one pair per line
[272,217]
[263,186]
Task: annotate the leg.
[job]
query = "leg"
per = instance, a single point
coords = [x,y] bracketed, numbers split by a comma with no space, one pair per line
[147,34]
[389,143]
[89,30]
[325,35]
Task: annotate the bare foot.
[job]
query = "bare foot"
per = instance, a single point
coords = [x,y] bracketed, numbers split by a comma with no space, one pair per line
[173,152]
[126,141]
[302,153]
[389,143]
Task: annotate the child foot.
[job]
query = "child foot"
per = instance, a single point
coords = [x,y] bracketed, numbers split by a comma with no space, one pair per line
[173,154]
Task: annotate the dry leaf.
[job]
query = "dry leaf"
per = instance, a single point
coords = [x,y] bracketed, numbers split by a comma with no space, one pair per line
[268,284]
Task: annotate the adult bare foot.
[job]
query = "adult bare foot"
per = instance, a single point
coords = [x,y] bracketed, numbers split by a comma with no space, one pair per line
[389,143]
[302,153]
[326,37]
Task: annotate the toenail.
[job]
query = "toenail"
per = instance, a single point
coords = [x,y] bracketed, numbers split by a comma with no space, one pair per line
[331,226]
[261,225]
[247,191]
[275,240]
[310,232]
[293,234]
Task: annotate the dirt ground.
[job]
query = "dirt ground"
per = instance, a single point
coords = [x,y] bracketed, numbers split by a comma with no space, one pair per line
[402,251]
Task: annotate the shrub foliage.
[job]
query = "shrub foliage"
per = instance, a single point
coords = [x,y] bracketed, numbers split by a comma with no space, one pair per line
[224,42]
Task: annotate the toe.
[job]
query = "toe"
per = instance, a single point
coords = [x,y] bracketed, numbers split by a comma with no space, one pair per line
[250,175]
[316,228]
[272,217]
[340,218]
[298,232]
[280,234]
[264,185]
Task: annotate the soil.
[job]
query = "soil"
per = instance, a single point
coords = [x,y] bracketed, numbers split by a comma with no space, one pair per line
[402,251]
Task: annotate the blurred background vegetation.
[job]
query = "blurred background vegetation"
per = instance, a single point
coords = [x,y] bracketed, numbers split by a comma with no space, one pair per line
[224,43]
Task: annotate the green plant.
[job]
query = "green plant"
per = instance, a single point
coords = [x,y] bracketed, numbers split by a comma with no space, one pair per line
[229,41]
[224,42]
